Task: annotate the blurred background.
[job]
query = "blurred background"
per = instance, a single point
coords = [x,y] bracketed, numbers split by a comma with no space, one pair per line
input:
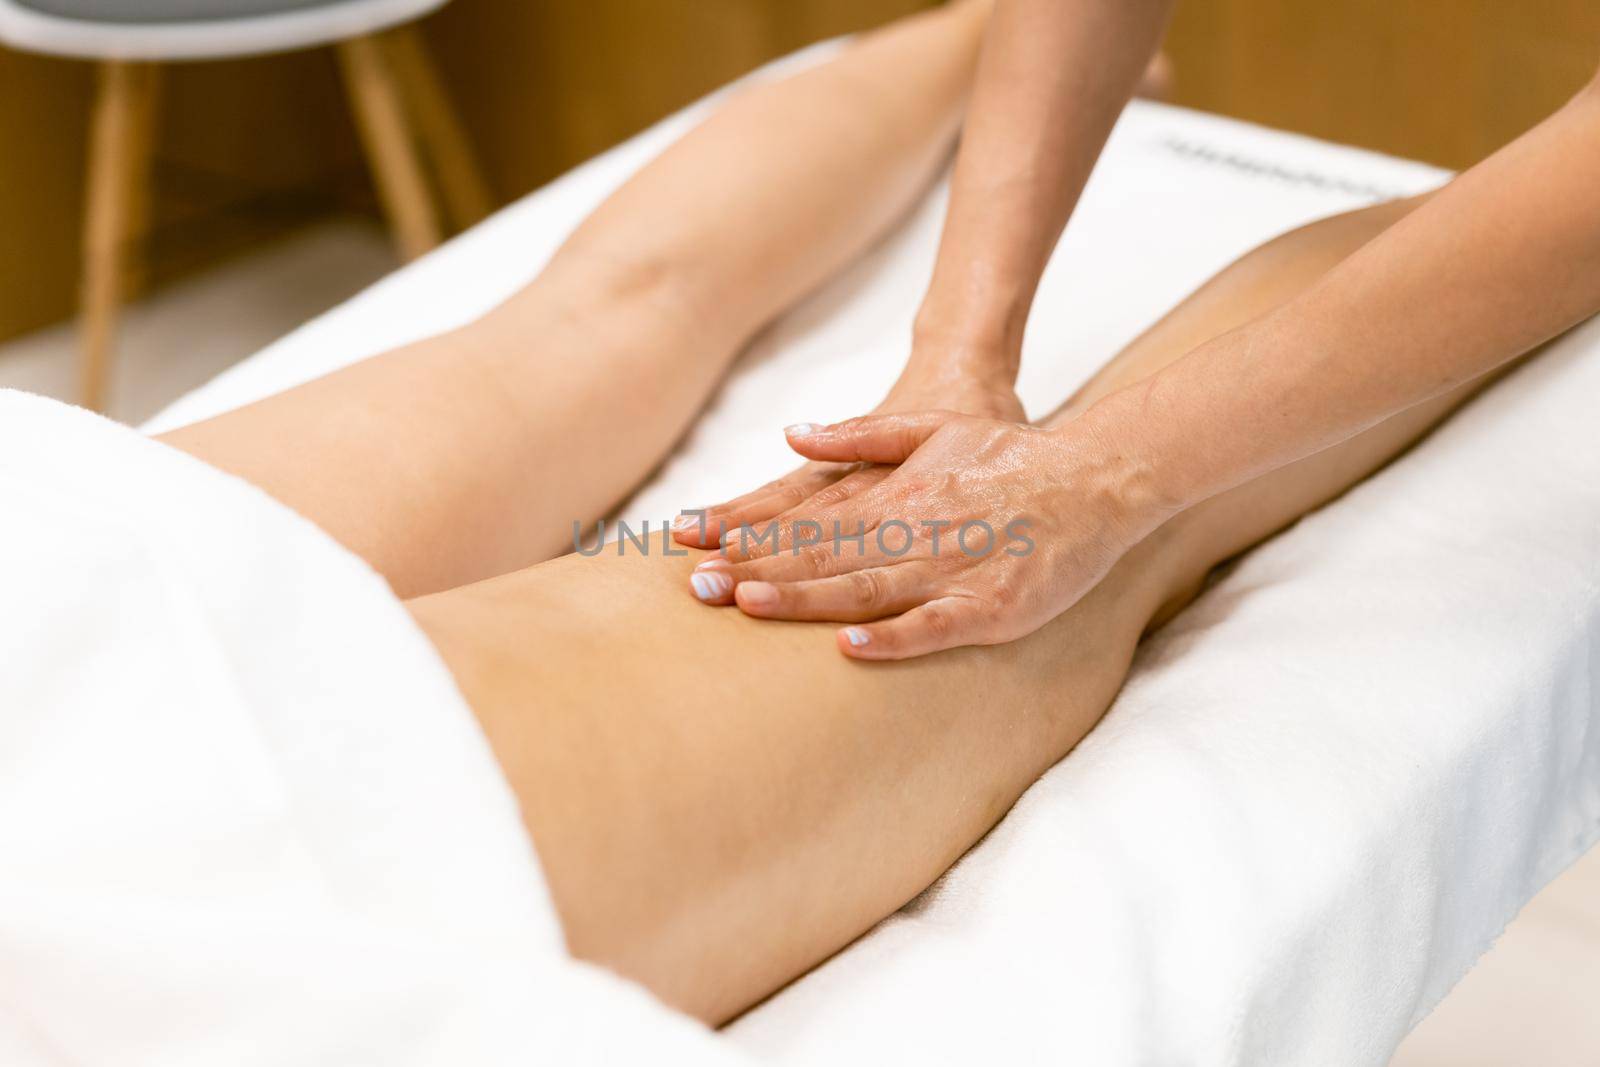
[262,213]
[260,155]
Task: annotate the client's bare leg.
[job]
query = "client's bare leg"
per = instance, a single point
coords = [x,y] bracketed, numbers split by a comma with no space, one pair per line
[472,453]
[719,803]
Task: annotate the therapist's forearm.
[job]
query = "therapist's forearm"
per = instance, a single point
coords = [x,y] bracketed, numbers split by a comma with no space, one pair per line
[1052,79]
[1504,258]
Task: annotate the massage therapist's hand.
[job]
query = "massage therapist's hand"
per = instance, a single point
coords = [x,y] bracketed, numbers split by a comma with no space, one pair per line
[985,532]
[939,389]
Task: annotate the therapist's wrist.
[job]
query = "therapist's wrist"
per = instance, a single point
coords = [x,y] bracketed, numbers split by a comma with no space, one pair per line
[970,367]
[991,361]
[980,337]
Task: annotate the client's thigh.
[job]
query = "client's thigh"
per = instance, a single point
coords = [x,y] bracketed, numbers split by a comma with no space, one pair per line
[720,803]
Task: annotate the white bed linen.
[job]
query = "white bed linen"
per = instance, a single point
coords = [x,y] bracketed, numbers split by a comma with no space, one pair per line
[1325,789]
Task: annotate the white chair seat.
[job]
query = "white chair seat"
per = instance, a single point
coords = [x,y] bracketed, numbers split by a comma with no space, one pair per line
[194,29]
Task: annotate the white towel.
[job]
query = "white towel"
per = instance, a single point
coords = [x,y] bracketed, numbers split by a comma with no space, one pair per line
[245,818]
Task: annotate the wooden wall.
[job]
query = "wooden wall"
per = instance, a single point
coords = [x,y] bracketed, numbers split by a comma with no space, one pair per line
[252,147]
[41,153]
[246,149]
[547,84]
[1447,81]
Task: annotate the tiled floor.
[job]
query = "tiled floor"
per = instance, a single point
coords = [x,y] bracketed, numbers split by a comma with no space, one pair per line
[1535,999]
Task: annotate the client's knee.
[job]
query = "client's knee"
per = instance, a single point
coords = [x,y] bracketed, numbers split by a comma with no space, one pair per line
[654,289]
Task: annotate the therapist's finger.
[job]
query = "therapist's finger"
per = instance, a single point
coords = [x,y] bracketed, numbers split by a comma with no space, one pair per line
[859,596]
[854,517]
[804,565]
[948,622]
[853,484]
[799,531]
[870,438]
[810,520]
[704,527]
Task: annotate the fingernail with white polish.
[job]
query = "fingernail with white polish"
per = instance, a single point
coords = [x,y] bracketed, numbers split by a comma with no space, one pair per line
[856,636]
[683,522]
[715,563]
[801,429]
[710,586]
[758,594]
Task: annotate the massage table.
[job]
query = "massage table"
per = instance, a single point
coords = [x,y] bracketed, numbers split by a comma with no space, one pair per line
[1326,787]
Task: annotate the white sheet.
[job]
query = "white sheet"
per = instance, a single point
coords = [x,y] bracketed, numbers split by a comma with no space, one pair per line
[1325,789]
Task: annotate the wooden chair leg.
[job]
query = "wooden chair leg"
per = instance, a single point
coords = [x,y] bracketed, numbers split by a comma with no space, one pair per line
[439,129]
[116,211]
[381,117]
